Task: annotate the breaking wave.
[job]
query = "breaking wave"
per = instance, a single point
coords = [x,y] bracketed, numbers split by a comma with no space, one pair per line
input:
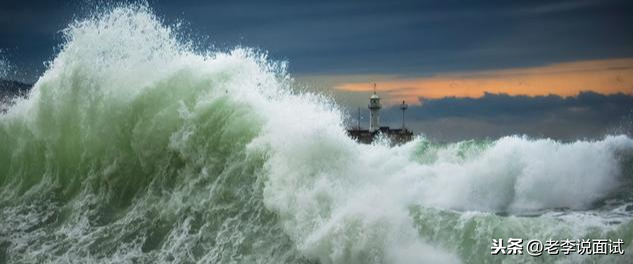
[132,147]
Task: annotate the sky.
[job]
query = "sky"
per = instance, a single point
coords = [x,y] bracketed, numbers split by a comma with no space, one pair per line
[430,53]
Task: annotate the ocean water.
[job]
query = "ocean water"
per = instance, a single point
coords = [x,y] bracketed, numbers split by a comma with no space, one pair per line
[136,147]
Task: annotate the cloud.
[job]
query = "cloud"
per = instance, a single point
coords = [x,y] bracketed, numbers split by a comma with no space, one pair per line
[564,79]
[560,6]
[361,37]
[586,115]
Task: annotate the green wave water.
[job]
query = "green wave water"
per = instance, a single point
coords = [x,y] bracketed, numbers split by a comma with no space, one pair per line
[134,148]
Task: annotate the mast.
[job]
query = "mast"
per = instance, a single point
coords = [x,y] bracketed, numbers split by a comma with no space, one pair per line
[358,120]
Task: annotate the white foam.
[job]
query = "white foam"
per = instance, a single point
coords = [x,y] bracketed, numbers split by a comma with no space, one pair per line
[339,202]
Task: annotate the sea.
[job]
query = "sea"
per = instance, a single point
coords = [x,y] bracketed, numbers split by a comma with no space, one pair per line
[136,145]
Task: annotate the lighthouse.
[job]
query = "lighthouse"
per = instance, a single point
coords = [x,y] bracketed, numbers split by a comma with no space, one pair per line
[403,107]
[367,136]
[374,107]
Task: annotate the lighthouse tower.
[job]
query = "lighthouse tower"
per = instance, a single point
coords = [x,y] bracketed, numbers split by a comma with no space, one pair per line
[374,107]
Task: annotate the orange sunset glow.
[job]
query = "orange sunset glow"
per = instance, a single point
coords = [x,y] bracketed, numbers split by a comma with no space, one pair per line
[564,79]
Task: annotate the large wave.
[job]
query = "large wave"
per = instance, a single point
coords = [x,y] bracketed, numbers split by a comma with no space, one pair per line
[133,147]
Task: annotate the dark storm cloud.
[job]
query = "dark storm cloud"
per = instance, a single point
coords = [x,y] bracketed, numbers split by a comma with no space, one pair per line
[587,115]
[29,33]
[505,108]
[413,37]
[343,37]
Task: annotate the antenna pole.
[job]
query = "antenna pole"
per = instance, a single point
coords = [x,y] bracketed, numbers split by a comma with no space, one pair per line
[402,119]
[358,120]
